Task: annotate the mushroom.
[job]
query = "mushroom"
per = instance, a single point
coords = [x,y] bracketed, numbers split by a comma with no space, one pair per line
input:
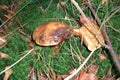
[52,34]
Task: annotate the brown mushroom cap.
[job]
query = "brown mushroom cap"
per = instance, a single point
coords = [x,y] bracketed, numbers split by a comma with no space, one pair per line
[52,33]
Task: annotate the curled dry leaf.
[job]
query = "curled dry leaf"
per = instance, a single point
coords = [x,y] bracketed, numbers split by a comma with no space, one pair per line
[7,73]
[104,2]
[89,39]
[2,41]
[3,55]
[4,7]
[102,57]
[92,36]
[87,76]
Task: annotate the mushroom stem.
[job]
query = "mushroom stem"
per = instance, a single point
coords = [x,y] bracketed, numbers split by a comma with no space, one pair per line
[76,31]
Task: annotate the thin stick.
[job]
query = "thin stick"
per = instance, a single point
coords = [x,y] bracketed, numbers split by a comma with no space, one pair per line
[103,30]
[16,62]
[80,67]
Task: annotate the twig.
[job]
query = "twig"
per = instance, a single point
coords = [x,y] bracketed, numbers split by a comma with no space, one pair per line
[103,30]
[80,67]
[16,62]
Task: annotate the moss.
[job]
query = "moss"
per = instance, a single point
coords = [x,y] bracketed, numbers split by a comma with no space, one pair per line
[60,63]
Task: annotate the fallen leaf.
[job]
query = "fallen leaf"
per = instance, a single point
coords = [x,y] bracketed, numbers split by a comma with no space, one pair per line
[83,76]
[92,36]
[58,77]
[102,57]
[4,7]
[7,73]
[87,76]
[104,2]
[2,41]
[3,55]
[7,16]
[89,39]
[93,68]
[10,12]
[32,75]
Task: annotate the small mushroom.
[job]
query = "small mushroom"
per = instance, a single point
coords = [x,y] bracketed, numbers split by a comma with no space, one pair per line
[52,33]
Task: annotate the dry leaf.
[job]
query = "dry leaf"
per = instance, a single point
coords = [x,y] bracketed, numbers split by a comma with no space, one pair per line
[89,39]
[102,57]
[92,36]
[94,29]
[58,77]
[83,76]
[2,41]
[7,73]
[104,2]
[4,7]
[7,16]
[87,76]
[10,12]
[3,55]
[93,68]
[32,75]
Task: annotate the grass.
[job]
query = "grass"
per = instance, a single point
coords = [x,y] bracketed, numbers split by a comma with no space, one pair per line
[45,59]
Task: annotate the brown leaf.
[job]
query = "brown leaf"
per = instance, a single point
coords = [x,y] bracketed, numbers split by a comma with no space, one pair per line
[3,55]
[4,7]
[7,73]
[7,16]
[102,57]
[58,77]
[2,41]
[89,39]
[87,76]
[83,76]
[92,36]
[93,68]
[10,12]
[32,75]
[94,29]
[104,2]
